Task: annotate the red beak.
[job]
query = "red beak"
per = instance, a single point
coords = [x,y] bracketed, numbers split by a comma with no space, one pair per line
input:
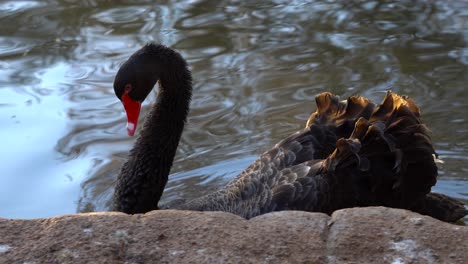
[132,108]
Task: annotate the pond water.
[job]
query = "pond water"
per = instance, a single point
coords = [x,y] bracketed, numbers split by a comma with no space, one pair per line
[256,66]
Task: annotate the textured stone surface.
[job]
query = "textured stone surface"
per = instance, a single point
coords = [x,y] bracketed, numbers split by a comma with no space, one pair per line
[383,235]
[358,235]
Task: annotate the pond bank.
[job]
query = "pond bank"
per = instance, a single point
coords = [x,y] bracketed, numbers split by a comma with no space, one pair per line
[357,235]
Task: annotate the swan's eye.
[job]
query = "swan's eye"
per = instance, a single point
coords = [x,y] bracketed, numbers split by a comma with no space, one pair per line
[128,88]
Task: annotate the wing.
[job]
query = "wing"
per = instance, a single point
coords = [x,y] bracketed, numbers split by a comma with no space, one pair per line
[387,160]
[265,184]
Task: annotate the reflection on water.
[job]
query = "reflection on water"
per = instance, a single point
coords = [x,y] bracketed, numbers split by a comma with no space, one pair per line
[256,67]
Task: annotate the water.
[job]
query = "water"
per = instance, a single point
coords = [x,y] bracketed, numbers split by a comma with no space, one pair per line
[256,69]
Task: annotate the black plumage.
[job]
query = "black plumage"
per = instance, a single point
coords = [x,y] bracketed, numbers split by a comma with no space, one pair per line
[351,153]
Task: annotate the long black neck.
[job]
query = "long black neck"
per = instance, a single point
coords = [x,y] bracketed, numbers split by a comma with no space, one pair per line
[143,177]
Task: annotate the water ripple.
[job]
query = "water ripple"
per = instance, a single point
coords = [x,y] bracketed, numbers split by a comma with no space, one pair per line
[15,46]
[14,7]
[121,15]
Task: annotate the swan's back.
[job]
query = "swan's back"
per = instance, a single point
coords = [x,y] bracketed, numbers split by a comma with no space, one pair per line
[351,153]
[266,184]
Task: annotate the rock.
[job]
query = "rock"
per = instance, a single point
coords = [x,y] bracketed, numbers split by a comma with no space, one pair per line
[384,235]
[357,235]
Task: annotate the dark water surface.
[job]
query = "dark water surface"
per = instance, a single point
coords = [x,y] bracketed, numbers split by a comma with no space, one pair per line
[257,66]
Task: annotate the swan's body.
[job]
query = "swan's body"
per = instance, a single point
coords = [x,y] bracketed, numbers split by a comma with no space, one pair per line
[351,153]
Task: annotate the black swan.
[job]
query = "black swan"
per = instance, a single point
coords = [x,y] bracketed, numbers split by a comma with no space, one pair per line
[351,153]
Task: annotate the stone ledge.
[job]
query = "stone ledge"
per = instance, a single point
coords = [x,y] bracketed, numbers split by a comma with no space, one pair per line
[356,235]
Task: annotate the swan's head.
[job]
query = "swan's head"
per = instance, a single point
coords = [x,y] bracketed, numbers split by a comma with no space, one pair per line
[134,81]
